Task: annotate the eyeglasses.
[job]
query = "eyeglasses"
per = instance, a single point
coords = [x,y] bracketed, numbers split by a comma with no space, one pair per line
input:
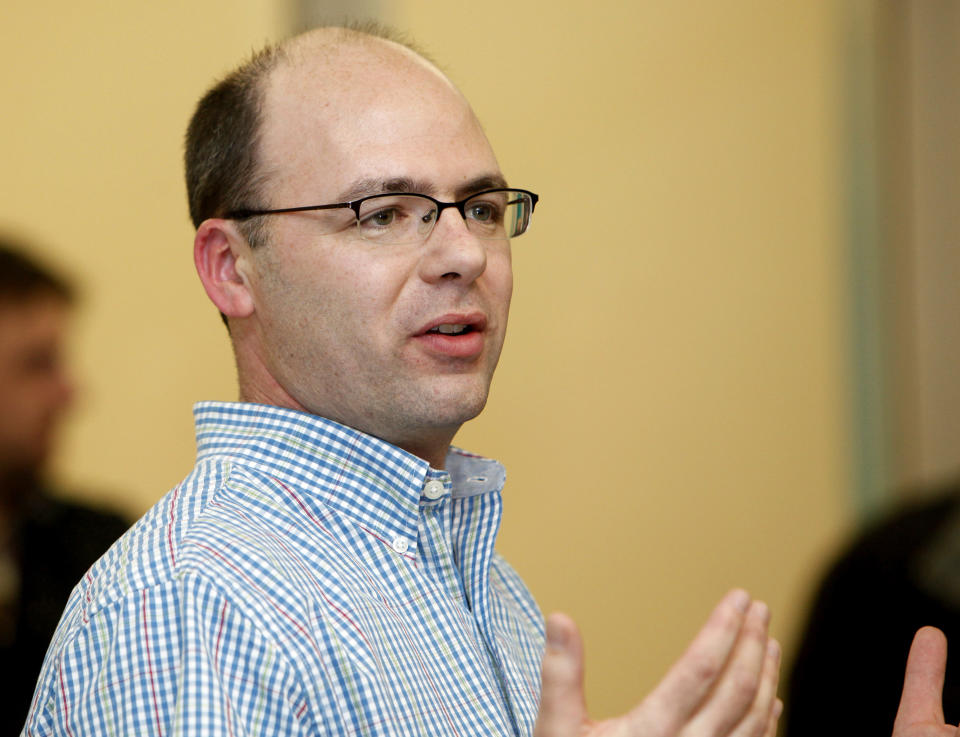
[410,218]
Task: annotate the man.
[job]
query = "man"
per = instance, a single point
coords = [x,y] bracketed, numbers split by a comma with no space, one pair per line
[328,566]
[46,543]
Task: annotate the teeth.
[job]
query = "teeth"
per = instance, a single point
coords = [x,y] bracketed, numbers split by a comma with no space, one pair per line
[450,329]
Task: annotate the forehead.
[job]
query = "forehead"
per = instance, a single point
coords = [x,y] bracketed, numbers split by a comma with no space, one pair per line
[36,319]
[369,111]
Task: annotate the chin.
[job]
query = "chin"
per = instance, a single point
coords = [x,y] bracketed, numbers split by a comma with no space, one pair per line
[465,409]
[450,407]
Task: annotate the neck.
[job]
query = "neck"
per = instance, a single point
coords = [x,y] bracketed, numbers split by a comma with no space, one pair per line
[258,385]
[434,453]
[431,449]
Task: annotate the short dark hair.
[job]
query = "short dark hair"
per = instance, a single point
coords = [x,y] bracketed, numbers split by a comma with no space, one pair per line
[222,143]
[23,277]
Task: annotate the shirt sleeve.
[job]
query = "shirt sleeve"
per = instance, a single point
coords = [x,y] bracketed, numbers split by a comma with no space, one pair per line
[177,659]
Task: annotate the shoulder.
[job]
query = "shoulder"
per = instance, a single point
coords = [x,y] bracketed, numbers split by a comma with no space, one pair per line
[144,556]
[226,524]
[511,590]
[62,539]
[892,540]
[152,641]
[70,517]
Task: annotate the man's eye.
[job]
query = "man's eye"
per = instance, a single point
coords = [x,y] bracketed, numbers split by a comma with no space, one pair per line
[483,212]
[381,218]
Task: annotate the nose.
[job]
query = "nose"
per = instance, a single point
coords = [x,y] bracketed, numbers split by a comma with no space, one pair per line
[67,389]
[452,252]
[60,384]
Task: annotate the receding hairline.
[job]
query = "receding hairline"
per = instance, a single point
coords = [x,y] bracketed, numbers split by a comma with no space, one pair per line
[328,56]
[332,46]
[332,39]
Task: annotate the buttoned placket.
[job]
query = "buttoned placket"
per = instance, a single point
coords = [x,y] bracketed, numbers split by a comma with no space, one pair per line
[435,544]
[437,551]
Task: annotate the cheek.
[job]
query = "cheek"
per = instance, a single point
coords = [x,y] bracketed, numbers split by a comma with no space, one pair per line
[500,278]
[367,295]
[373,287]
[23,410]
[356,307]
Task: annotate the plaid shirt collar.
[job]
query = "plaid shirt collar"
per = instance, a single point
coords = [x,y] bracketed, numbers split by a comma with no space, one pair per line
[375,483]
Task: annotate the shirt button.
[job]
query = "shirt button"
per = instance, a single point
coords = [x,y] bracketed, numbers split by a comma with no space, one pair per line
[433,489]
[400,544]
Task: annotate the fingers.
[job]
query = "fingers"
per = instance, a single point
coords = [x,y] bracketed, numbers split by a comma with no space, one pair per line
[740,703]
[688,683]
[562,709]
[761,720]
[922,700]
[774,718]
[724,684]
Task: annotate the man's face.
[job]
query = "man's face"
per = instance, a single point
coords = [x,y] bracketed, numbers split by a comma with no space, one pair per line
[34,385]
[344,324]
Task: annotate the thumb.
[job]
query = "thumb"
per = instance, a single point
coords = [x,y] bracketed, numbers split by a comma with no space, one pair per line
[922,702]
[562,709]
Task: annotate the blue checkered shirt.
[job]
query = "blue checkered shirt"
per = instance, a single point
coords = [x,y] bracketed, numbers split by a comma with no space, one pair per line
[304,579]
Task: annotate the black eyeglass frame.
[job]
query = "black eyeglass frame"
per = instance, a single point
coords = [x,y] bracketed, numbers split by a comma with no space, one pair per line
[246,214]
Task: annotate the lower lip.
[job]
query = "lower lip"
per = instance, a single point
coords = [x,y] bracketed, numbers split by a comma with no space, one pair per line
[468,345]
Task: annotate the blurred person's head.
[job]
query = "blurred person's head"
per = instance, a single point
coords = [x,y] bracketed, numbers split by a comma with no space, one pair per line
[35,387]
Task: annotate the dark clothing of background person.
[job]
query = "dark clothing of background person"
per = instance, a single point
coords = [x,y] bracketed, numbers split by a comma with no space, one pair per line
[902,573]
[46,544]
[56,541]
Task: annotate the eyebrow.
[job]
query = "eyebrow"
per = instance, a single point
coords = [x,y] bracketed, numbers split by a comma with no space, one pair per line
[492,181]
[372,186]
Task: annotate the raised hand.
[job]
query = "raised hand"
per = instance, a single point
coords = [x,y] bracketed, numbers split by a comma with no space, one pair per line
[921,705]
[724,685]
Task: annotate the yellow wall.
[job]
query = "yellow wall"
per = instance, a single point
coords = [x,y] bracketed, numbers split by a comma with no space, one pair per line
[96,97]
[672,401]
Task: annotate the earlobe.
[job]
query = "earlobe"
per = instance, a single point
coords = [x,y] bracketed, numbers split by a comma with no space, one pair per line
[216,250]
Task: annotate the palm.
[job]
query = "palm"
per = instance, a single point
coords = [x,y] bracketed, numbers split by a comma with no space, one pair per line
[926,729]
[725,684]
[931,730]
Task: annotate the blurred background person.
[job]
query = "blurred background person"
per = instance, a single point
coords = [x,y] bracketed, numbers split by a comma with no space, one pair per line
[899,565]
[901,573]
[46,543]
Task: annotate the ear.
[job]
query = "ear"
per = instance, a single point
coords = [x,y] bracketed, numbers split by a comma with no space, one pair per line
[216,250]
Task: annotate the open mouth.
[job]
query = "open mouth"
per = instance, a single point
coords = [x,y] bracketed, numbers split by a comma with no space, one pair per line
[457,335]
[451,329]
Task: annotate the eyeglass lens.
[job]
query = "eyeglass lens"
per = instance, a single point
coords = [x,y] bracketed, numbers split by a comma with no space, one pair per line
[409,218]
